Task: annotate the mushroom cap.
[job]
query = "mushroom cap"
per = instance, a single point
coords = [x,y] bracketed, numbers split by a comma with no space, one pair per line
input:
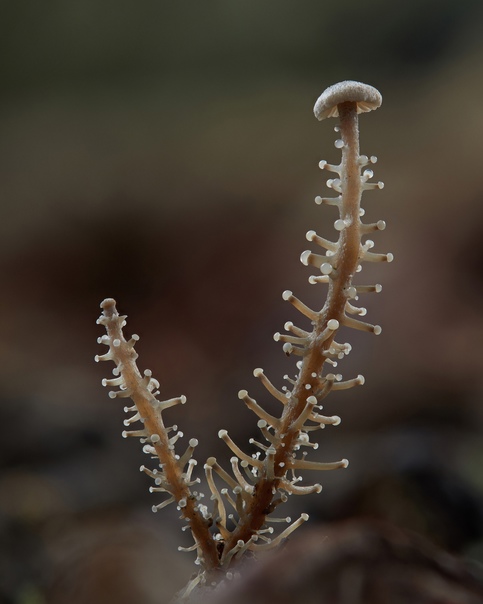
[367,98]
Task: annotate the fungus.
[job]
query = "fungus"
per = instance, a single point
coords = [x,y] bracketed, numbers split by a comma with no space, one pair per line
[260,481]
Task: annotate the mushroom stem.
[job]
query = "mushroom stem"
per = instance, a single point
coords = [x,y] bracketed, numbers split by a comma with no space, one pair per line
[351,190]
[346,260]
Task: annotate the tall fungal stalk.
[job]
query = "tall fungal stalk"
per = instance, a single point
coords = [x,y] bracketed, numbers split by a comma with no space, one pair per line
[241,517]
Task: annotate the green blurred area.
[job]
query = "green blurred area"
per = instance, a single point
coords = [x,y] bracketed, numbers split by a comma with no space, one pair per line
[165,153]
[98,43]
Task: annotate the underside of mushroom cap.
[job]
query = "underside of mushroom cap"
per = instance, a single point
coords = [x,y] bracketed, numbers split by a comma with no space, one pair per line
[367,98]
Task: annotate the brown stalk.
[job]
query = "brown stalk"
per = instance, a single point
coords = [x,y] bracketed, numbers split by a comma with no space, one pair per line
[333,309]
[146,404]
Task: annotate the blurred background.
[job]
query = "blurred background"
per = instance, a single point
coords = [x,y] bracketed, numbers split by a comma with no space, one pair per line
[166,154]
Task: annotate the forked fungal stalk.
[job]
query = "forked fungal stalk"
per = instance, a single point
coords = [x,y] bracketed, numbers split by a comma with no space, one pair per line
[241,513]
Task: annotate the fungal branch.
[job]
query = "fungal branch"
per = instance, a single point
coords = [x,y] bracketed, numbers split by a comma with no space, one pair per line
[242,514]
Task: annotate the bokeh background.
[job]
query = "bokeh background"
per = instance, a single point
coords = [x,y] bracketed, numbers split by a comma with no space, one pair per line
[165,154]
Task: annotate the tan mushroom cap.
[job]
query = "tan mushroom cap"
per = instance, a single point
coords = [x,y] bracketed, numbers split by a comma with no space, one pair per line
[367,98]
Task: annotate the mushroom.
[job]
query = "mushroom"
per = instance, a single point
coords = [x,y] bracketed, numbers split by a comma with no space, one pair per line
[366,97]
